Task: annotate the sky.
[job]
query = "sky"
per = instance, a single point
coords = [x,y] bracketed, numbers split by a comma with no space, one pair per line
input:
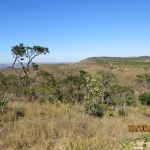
[74,30]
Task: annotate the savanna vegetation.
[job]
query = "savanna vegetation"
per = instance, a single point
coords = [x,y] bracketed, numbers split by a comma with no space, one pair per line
[82,106]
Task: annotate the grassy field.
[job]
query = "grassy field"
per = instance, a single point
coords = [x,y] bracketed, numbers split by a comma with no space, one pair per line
[65,127]
[59,126]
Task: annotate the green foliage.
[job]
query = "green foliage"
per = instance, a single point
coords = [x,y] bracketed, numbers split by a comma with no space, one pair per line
[92,108]
[21,51]
[130,102]
[59,94]
[144,98]
[139,78]
[122,94]
[143,81]
[42,100]
[3,100]
[3,82]
[46,78]
[9,84]
[35,66]
[121,112]
[129,145]
[143,77]
[97,109]
[39,49]
[74,86]
[1,76]
[99,88]
[97,91]
[46,85]
[51,100]
[107,76]
[94,104]
[94,88]
[29,91]
[109,113]
[41,89]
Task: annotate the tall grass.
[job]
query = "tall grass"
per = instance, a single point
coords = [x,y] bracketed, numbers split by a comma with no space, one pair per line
[64,127]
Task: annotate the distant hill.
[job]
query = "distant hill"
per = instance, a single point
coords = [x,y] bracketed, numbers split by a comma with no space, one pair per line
[5,65]
[108,58]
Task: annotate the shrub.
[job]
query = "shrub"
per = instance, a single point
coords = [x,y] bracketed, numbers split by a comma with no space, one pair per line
[109,113]
[51,100]
[129,102]
[92,108]
[121,94]
[3,103]
[121,112]
[97,109]
[3,100]
[59,94]
[144,98]
[41,100]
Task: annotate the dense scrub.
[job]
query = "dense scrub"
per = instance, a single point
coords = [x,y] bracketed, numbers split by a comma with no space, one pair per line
[96,94]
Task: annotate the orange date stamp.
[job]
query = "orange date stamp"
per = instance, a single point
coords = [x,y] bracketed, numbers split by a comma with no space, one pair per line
[138,128]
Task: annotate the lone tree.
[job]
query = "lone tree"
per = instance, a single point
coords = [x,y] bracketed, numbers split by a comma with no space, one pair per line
[20,52]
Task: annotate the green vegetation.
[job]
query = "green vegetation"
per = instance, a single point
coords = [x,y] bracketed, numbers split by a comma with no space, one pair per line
[143,81]
[141,142]
[67,101]
[20,52]
[144,98]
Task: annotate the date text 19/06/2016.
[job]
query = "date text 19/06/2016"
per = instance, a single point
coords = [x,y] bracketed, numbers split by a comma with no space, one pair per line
[139,128]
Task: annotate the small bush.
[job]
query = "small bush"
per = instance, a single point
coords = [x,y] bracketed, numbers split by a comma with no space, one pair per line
[129,102]
[51,100]
[41,100]
[121,112]
[121,94]
[92,108]
[144,98]
[3,100]
[97,109]
[109,113]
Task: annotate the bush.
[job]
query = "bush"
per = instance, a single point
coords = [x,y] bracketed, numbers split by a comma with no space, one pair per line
[97,109]
[51,100]
[144,98]
[41,100]
[3,101]
[121,94]
[121,112]
[92,108]
[129,102]
[109,113]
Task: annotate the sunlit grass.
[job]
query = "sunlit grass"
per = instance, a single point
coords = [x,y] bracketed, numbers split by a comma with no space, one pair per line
[65,127]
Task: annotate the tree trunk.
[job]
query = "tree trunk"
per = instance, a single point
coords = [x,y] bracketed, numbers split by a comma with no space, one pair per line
[103,97]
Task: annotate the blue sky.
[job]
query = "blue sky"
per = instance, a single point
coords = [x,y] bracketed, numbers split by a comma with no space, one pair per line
[74,30]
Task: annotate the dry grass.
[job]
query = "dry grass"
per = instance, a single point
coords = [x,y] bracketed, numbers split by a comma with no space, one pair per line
[125,76]
[31,126]
[64,127]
